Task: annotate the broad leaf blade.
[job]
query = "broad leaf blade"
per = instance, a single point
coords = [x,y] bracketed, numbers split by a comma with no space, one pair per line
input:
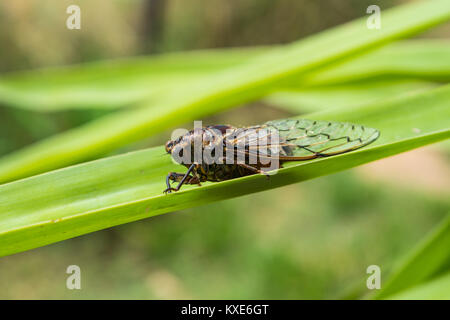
[437,289]
[117,83]
[418,59]
[84,198]
[223,91]
[322,98]
[424,262]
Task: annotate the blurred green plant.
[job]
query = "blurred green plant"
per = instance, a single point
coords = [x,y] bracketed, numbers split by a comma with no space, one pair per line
[221,91]
[77,200]
[88,197]
[347,95]
[125,82]
[437,289]
[112,84]
[325,233]
[429,259]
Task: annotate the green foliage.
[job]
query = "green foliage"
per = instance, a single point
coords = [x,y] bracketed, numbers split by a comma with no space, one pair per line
[223,90]
[437,289]
[427,260]
[418,59]
[396,89]
[340,96]
[100,194]
[116,83]
[125,82]
[309,240]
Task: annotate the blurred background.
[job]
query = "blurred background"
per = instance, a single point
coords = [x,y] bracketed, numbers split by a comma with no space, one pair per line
[311,240]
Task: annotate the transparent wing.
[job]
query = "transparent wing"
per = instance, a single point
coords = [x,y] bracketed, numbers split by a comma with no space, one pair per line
[307,139]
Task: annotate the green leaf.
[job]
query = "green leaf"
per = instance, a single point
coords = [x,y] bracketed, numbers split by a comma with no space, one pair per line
[114,83]
[437,289]
[222,91]
[77,200]
[123,82]
[321,98]
[425,261]
[418,59]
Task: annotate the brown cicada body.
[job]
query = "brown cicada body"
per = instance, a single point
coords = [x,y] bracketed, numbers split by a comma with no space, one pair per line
[222,152]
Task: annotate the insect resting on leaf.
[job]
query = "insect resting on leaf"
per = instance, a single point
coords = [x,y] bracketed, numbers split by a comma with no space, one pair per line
[254,149]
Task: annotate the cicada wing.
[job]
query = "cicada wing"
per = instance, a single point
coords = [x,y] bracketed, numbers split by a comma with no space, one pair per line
[254,142]
[307,139]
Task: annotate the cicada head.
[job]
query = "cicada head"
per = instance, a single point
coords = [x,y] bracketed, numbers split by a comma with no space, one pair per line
[176,147]
[169,146]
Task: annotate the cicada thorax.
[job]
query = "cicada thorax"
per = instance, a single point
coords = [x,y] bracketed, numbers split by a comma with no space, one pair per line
[220,152]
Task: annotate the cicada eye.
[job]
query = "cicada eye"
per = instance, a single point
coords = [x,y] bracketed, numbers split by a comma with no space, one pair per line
[169,146]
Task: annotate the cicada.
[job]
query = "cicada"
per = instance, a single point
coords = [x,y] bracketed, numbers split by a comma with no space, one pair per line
[238,152]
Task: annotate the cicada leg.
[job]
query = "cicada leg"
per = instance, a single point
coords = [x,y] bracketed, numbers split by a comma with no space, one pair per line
[182,178]
[253,169]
